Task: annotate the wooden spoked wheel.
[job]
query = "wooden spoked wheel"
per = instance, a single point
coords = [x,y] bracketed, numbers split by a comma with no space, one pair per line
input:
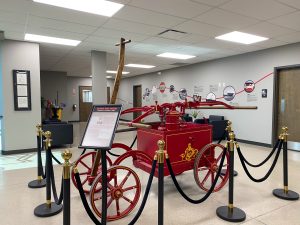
[84,165]
[123,192]
[207,163]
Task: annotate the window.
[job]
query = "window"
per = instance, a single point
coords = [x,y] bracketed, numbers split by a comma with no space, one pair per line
[87,96]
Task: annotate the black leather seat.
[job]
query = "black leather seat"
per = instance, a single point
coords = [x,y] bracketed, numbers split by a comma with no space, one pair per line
[62,133]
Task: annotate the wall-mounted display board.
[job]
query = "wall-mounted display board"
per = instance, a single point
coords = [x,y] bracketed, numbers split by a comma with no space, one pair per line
[101,127]
[22,91]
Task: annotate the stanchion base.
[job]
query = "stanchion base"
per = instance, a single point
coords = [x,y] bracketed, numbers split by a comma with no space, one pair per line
[223,172]
[45,211]
[37,183]
[290,195]
[231,215]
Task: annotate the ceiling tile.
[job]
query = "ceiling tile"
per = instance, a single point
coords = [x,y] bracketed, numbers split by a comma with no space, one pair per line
[211,2]
[193,50]
[271,43]
[102,40]
[13,17]
[127,26]
[180,8]
[110,33]
[266,29]
[14,35]
[293,3]
[193,38]
[8,26]
[226,19]
[147,17]
[260,9]
[67,15]
[291,21]
[16,5]
[201,28]
[290,38]
[59,25]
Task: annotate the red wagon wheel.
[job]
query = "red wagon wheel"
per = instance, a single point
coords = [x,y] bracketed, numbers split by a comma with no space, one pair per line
[123,193]
[206,166]
[84,165]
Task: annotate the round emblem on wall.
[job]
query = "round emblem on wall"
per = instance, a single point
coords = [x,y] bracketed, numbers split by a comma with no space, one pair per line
[229,93]
[162,87]
[249,86]
[172,88]
[210,97]
[182,93]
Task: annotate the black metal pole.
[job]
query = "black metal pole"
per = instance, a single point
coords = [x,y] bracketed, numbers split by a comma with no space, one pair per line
[104,187]
[48,177]
[66,188]
[231,175]
[285,193]
[160,193]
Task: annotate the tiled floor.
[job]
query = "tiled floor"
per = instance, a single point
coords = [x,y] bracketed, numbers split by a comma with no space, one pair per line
[17,201]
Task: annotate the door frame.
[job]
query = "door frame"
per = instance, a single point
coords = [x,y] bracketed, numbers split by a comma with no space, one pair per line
[275,98]
[79,93]
[133,97]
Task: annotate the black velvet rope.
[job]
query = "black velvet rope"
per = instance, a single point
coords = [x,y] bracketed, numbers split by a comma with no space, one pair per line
[223,136]
[265,160]
[132,144]
[109,152]
[208,192]
[84,150]
[148,187]
[55,159]
[84,201]
[57,200]
[270,170]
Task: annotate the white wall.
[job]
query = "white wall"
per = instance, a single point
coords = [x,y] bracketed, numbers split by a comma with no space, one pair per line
[18,128]
[252,125]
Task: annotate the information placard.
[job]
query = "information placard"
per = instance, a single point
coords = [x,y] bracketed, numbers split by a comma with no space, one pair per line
[101,127]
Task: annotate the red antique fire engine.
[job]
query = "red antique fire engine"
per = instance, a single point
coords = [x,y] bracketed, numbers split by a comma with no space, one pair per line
[188,144]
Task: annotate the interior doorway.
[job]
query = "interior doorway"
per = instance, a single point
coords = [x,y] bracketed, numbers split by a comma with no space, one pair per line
[108,94]
[85,102]
[137,99]
[287,92]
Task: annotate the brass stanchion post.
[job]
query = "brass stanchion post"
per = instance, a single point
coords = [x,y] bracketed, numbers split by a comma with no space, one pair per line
[40,181]
[285,193]
[231,213]
[66,155]
[49,208]
[160,159]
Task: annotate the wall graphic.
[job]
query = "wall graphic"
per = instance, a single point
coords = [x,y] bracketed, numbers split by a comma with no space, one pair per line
[229,93]
[249,86]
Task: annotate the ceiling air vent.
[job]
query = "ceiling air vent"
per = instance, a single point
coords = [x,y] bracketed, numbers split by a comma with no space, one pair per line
[172,34]
[179,64]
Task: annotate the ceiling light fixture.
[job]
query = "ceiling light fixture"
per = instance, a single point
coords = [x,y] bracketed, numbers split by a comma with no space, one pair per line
[99,7]
[175,55]
[140,66]
[114,72]
[108,77]
[51,40]
[240,37]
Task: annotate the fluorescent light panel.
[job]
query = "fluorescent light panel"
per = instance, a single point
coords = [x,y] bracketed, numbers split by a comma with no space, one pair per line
[114,72]
[241,37]
[140,66]
[175,55]
[52,40]
[99,7]
[108,77]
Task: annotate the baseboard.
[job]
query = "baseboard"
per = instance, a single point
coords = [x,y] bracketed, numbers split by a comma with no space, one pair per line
[73,121]
[255,143]
[19,151]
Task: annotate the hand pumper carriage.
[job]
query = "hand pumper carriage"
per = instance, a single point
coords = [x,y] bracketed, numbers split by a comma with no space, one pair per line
[189,146]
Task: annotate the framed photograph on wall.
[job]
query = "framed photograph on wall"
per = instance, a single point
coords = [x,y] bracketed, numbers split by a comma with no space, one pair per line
[22,91]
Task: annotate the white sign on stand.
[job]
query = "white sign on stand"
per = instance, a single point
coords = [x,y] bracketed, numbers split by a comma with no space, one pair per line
[101,127]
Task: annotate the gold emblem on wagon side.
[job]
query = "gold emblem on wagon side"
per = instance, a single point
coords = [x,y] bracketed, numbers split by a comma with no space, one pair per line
[190,153]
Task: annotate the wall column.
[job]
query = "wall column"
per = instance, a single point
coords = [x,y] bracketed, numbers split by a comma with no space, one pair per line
[99,77]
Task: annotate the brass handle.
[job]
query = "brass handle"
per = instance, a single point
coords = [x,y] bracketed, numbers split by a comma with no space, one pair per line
[137,125]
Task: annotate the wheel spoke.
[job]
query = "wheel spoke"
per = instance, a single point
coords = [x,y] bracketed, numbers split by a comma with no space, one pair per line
[205,178]
[202,168]
[221,176]
[127,199]
[130,188]
[84,173]
[109,202]
[125,179]
[85,180]
[110,186]
[212,177]
[118,207]
[86,166]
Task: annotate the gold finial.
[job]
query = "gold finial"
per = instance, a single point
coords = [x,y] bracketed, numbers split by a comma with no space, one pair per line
[231,136]
[47,134]
[66,155]
[228,128]
[161,145]
[39,129]
[284,133]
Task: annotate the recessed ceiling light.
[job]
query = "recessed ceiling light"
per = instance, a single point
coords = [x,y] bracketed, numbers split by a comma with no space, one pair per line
[140,66]
[241,37]
[114,72]
[108,77]
[99,7]
[175,55]
[52,40]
